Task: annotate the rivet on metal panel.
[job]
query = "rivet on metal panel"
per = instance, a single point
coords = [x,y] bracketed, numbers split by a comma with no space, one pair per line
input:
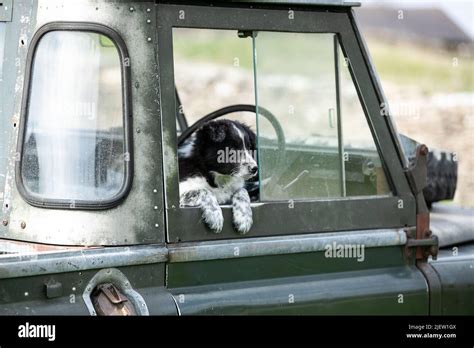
[156,225]
[132,9]
[148,10]
[155,207]
[137,84]
[148,21]
[4,222]
[155,190]
[148,39]
[138,130]
[23,225]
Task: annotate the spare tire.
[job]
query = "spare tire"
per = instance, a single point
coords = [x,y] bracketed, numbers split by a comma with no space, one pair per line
[442,177]
[442,171]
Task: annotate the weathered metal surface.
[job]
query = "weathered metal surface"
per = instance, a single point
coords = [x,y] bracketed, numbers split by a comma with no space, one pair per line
[27,295]
[6,10]
[140,218]
[303,2]
[17,34]
[434,285]
[375,292]
[456,274]
[186,252]
[71,261]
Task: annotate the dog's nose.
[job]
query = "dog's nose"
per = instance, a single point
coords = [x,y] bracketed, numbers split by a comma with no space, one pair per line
[254,170]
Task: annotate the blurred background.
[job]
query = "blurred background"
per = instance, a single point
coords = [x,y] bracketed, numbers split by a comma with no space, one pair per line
[422,50]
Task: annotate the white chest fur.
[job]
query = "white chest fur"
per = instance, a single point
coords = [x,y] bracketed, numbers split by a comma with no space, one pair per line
[226,186]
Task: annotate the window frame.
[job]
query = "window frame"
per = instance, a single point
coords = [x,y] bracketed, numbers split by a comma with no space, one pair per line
[280,218]
[37,200]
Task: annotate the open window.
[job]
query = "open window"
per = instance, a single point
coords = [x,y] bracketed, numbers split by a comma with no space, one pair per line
[73,143]
[318,149]
[318,143]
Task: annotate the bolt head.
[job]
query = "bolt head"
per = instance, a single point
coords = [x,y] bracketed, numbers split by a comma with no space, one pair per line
[424,150]
[23,225]
[4,222]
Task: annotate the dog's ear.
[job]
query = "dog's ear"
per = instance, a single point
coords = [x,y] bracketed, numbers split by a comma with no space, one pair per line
[215,131]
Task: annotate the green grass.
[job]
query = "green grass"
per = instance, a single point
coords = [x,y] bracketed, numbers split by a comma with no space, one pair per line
[430,69]
[404,64]
[220,46]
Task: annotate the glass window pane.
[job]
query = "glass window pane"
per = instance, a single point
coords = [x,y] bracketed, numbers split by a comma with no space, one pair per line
[363,171]
[213,69]
[298,88]
[329,150]
[74,139]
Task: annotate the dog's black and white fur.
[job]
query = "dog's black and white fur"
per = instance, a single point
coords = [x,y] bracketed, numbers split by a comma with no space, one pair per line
[207,178]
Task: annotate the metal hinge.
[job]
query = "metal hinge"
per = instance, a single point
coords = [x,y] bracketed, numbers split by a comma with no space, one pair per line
[424,247]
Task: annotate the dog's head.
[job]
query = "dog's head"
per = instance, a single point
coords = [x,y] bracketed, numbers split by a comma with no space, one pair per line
[227,148]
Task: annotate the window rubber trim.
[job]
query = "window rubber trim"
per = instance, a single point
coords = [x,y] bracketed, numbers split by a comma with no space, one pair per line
[71,204]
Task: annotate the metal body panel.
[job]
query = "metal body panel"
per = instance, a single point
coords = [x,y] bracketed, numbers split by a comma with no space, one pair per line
[215,250]
[59,262]
[27,295]
[241,269]
[299,283]
[456,274]
[140,217]
[6,10]
[302,2]
[375,292]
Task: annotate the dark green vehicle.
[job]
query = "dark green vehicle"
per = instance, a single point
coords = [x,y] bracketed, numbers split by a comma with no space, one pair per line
[95,99]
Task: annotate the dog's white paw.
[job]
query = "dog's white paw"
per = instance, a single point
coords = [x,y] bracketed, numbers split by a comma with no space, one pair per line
[213,218]
[242,212]
[243,221]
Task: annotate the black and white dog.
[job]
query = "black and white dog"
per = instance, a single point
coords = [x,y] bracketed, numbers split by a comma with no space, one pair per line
[214,164]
